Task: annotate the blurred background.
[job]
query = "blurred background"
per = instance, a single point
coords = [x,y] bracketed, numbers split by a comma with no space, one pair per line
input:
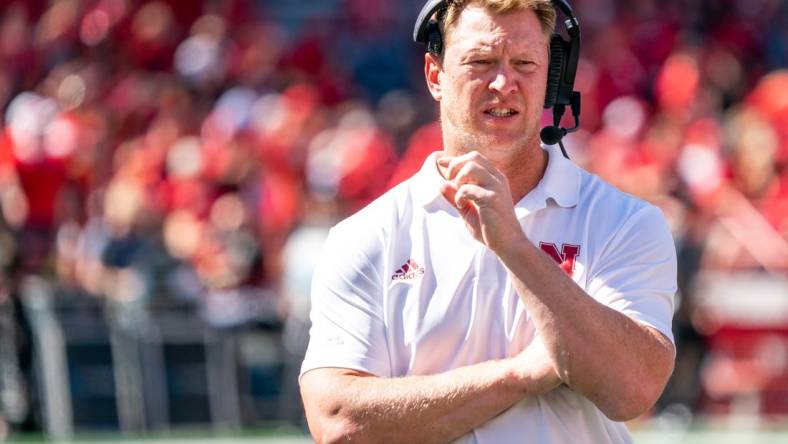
[169,170]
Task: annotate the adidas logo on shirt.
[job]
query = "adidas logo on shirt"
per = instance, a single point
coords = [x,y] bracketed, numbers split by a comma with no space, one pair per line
[408,271]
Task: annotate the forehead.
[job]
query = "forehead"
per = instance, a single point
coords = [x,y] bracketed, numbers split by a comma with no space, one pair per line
[479,28]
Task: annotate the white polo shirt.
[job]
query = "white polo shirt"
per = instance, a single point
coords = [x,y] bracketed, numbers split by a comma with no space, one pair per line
[402,288]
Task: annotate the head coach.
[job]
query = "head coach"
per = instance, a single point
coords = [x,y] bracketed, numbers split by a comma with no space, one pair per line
[501,294]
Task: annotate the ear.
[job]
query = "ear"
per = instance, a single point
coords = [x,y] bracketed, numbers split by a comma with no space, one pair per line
[432,73]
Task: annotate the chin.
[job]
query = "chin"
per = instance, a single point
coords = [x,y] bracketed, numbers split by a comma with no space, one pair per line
[500,142]
[497,149]
[487,140]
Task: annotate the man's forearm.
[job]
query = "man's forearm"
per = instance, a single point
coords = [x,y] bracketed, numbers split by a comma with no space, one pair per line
[618,364]
[434,408]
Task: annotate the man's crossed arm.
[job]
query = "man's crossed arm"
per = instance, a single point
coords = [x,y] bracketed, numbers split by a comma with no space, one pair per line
[348,406]
[619,364]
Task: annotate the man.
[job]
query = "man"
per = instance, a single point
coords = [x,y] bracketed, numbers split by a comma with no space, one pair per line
[439,312]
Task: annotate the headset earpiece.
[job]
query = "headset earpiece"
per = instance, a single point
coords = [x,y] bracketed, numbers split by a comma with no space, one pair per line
[434,38]
[555,70]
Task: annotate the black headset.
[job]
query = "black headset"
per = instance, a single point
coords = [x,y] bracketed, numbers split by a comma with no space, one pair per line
[561,71]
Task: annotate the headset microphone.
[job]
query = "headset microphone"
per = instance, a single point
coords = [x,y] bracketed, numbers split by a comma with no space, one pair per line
[553,134]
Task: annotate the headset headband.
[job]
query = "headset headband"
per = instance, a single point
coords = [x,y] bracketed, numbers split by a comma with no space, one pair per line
[563,5]
[420,30]
[432,6]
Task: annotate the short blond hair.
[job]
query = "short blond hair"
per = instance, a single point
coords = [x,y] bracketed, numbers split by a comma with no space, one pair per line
[543,9]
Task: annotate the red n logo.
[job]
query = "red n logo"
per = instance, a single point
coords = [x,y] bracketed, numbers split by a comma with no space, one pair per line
[565,258]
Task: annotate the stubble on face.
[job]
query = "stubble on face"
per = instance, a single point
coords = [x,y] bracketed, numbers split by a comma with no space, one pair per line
[466,89]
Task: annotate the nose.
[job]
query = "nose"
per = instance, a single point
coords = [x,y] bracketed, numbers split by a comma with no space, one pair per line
[504,82]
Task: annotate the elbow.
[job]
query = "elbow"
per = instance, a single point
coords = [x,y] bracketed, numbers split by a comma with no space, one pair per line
[637,393]
[632,402]
[331,415]
[626,411]
[332,431]
[329,427]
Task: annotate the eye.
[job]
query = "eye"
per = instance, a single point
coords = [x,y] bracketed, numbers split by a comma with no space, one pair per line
[481,62]
[524,65]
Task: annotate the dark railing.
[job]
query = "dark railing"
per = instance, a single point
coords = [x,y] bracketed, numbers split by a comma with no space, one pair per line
[141,368]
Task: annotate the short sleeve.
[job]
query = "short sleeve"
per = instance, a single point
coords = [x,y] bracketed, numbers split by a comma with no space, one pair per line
[635,273]
[347,324]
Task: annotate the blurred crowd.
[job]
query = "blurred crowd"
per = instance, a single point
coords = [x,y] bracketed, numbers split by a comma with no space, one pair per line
[195,152]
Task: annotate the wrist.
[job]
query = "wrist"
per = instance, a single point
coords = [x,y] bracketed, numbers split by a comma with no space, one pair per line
[517,377]
[513,249]
[532,372]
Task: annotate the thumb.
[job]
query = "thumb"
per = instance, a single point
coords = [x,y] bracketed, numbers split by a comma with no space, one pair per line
[449,192]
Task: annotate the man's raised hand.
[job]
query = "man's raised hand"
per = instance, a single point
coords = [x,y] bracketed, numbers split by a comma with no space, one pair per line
[481,194]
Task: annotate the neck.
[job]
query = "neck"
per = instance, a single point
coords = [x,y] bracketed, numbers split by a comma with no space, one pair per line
[524,171]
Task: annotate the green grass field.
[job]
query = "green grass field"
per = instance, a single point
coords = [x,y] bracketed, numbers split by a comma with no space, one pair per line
[707,433]
[705,436]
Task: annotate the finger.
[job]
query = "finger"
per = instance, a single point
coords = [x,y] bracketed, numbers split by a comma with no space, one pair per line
[472,172]
[449,163]
[448,190]
[487,164]
[471,194]
[454,164]
[458,163]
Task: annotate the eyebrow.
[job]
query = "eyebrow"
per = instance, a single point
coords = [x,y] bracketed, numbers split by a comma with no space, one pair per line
[486,50]
[481,45]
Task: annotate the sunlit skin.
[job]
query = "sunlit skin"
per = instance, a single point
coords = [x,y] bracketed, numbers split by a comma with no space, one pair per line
[494,64]
[490,86]
[491,89]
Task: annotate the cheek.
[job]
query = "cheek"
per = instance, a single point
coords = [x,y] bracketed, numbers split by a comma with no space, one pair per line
[535,87]
[474,88]
[460,90]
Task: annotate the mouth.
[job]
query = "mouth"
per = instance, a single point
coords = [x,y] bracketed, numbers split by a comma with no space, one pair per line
[501,112]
